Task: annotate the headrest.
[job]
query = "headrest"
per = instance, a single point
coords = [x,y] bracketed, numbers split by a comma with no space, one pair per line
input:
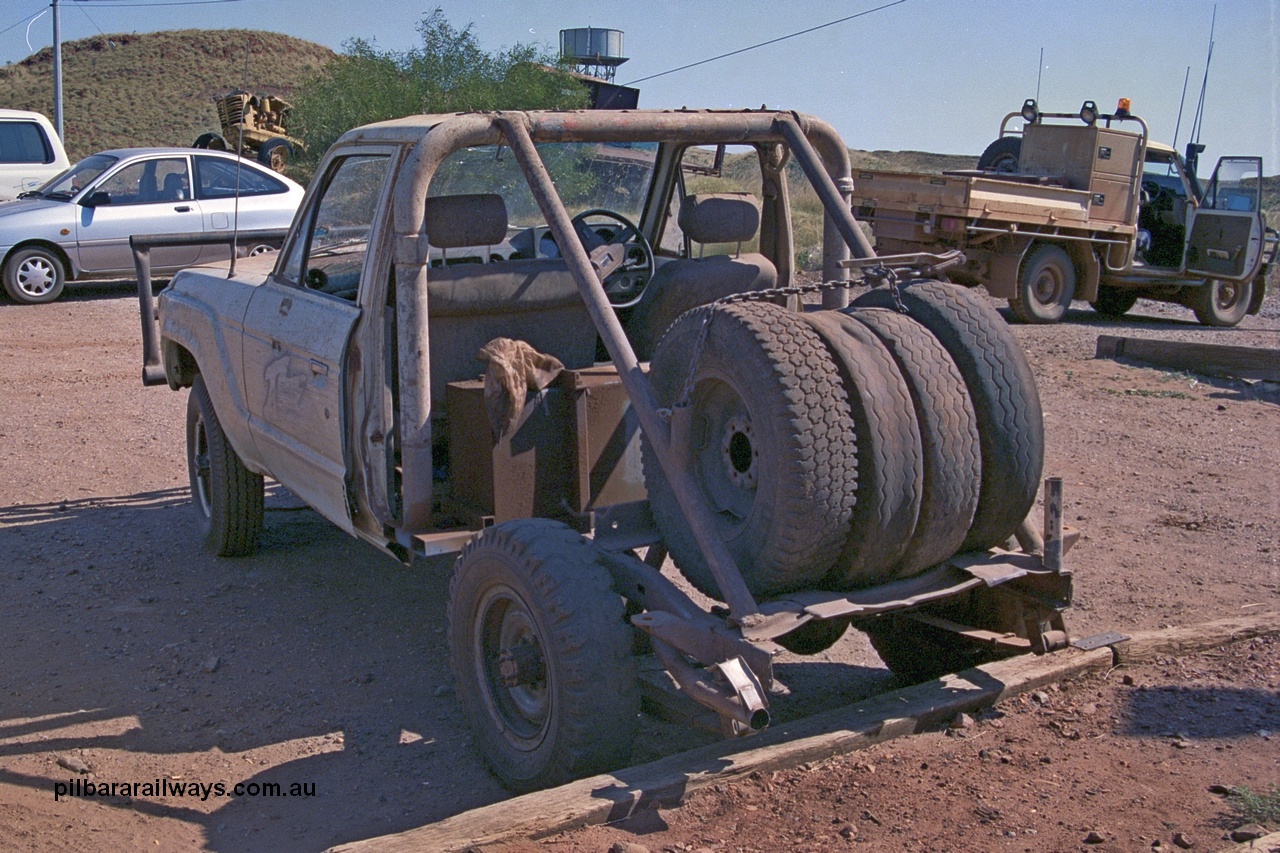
[454,221]
[719,217]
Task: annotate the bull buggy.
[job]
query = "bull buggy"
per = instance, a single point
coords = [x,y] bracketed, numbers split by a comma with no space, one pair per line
[566,348]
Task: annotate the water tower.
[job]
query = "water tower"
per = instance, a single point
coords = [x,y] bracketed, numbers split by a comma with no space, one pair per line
[593,51]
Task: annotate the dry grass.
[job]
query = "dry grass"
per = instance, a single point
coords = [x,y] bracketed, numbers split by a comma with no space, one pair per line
[124,90]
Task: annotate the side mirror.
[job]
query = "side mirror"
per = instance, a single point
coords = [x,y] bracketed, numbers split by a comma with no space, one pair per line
[96,199]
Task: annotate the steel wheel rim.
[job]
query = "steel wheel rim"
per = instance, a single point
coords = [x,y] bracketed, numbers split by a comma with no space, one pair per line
[36,276]
[522,712]
[1226,294]
[725,450]
[201,482]
[1047,287]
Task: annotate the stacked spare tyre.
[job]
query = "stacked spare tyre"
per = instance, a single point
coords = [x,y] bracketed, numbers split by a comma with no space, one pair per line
[842,449]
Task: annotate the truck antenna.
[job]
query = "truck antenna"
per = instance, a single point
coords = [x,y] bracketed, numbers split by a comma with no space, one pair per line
[1197,124]
[1039,71]
[1181,104]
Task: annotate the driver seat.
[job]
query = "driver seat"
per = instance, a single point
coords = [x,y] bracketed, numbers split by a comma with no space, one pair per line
[679,285]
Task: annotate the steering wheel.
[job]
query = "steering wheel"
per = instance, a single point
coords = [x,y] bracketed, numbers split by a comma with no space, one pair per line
[625,285]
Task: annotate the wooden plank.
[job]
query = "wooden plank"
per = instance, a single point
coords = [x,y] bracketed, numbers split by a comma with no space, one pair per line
[1210,359]
[1265,844]
[1145,645]
[610,797]
[667,781]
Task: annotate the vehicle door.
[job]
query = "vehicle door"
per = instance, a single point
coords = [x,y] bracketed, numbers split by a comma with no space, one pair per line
[1224,236]
[144,196]
[237,196]
[298,327]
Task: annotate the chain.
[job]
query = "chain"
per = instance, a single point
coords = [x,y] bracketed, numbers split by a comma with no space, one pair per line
[709,311]
[884,276]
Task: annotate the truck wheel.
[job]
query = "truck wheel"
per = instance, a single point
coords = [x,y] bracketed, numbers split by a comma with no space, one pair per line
[541,655]
[1003,391]
[1216,302]
[33,276]
[952,456]
[227,496]
[1002,155]
[890,471]
[275,154]
[1046,286]
[1114,301]
[772,447]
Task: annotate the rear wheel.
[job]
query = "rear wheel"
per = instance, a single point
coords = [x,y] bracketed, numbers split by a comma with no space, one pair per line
[771,448]
[34,275]
[814,636]
[1114,301]
[1046,286]
[1222,303]
[541,655]
[228,497]
[275,154]
[1003,391]
[917,652]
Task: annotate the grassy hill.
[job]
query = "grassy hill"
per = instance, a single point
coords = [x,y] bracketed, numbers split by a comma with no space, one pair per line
[158,89]
[155,88]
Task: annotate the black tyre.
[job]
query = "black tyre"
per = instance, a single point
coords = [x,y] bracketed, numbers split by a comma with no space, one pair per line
[1216,302]
[951,448]
[1046,286]
[916,652]
[890,470]
[212,141]
[541,655]
[1114,301]
[228,497]
[275,154]
[1002,389]
[814,636]
[1002,155]
[34,275]
[772,450]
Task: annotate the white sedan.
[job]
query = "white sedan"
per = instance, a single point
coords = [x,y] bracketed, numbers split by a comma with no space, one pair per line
[78,225]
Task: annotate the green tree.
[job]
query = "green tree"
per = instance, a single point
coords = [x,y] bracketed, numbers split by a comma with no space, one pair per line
[449,72]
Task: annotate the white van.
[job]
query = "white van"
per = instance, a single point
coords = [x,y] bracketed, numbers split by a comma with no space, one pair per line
[30,153]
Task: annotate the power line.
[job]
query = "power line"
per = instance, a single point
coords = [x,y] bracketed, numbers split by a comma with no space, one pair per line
[765,43]
[25,20]
[114,5]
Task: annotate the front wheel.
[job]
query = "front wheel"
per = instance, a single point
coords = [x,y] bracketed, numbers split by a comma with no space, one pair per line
[1046,286]
[1222,303]
[541,655]
[33,276]
[228,497]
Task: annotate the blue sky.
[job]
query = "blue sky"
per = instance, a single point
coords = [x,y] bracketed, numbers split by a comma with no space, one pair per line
[933,75]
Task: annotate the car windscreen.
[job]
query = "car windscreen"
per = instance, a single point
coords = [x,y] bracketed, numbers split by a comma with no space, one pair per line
[23,142]
[587,175]
[79,176]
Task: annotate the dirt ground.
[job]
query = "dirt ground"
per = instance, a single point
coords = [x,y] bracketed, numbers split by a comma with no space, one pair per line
[132,657]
